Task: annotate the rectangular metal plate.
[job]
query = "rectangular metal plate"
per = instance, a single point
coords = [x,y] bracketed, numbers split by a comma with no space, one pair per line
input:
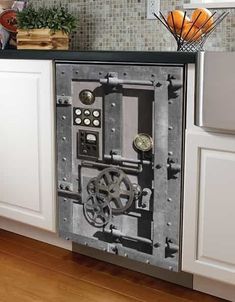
[144,224]
[215,105]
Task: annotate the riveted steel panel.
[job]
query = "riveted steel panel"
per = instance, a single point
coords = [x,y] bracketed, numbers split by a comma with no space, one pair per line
[123,200]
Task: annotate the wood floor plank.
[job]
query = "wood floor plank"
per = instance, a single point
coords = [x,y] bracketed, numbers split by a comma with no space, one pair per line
[149,283]
[41,272]
[44,248]
[53,286]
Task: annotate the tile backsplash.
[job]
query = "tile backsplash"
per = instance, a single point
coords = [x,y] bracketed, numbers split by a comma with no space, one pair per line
[122,25]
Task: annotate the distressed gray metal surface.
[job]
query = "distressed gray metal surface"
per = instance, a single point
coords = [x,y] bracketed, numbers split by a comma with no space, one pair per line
[148,229]
[113,119]
[215,104]
[180,278]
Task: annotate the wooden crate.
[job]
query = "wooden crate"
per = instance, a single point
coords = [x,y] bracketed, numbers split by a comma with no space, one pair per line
[42,39]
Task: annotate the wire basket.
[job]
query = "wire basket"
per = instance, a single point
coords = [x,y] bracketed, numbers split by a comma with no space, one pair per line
[192,41]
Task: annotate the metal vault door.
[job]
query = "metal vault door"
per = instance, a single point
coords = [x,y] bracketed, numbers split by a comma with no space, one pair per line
[119,142]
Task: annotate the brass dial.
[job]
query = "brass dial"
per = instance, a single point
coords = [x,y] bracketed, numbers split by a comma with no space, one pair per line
[143,142]
[87,97]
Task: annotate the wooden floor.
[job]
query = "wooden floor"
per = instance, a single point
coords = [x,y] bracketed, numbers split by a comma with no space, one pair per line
[34,271]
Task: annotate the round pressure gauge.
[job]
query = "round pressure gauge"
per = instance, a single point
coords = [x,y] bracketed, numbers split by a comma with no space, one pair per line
[143,142]
[87,112]
[96,113]
[78,111]
[96,123]
[87,97]
[78,121]
[87,121]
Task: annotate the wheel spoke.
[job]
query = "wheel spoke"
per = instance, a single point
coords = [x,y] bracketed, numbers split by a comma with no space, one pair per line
[120,179]
[103,188]
[89,207]
[95,216]
[125,193]
[104,205]
[108,178]
[118,203]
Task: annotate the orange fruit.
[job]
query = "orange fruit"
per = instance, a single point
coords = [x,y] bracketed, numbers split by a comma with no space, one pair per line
[176,30]
[175,20]
[192,34]
[204,20]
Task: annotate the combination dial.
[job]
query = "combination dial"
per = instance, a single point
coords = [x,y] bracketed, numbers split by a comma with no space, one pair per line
[143,142]
[87,97]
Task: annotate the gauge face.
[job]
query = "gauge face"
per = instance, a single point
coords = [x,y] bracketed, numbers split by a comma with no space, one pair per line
[87,97]
[143,142]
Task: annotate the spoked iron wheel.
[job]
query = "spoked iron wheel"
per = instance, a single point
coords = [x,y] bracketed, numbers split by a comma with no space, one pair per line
[115,186]
[97,211]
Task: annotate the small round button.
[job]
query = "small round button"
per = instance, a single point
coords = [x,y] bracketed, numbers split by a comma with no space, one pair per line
[96,123]
[87,122]
[87,112]
[96,113]
[78,121]
[78,111]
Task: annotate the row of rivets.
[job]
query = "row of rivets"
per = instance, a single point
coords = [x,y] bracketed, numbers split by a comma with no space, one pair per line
[64,159]
[65,187]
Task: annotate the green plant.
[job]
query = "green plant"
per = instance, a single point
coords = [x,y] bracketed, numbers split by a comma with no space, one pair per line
[54,18]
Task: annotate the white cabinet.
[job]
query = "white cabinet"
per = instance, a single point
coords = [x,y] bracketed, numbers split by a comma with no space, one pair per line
[209,206]
[27,168]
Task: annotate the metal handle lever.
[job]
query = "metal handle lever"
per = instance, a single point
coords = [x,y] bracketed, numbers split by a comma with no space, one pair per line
[98,165]
[113,80]
[119,159]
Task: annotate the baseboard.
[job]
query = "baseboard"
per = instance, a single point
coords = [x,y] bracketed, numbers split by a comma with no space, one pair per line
[183,279]
[214,288]
[34,233]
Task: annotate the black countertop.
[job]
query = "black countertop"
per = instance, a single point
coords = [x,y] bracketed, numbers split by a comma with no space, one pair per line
[108,56]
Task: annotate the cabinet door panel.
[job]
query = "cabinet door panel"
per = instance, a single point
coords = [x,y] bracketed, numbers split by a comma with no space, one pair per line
[26,142]
[216,241]
[209,206]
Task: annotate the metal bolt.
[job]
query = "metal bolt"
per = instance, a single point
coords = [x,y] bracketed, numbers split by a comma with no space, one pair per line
[68,188]
[64,138]
[170,128]
[64,179]
[126,255]
[115,249]
[65,219]
[65,199]
[67,238]
[147,261]
[63,117]
[170,268]
[64,158]
[113,104]
[169,199]
[170,102]
[170,153]
[113,130]
[169,223]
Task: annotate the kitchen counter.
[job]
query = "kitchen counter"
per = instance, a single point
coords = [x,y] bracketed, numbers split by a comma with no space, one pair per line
[109,56]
